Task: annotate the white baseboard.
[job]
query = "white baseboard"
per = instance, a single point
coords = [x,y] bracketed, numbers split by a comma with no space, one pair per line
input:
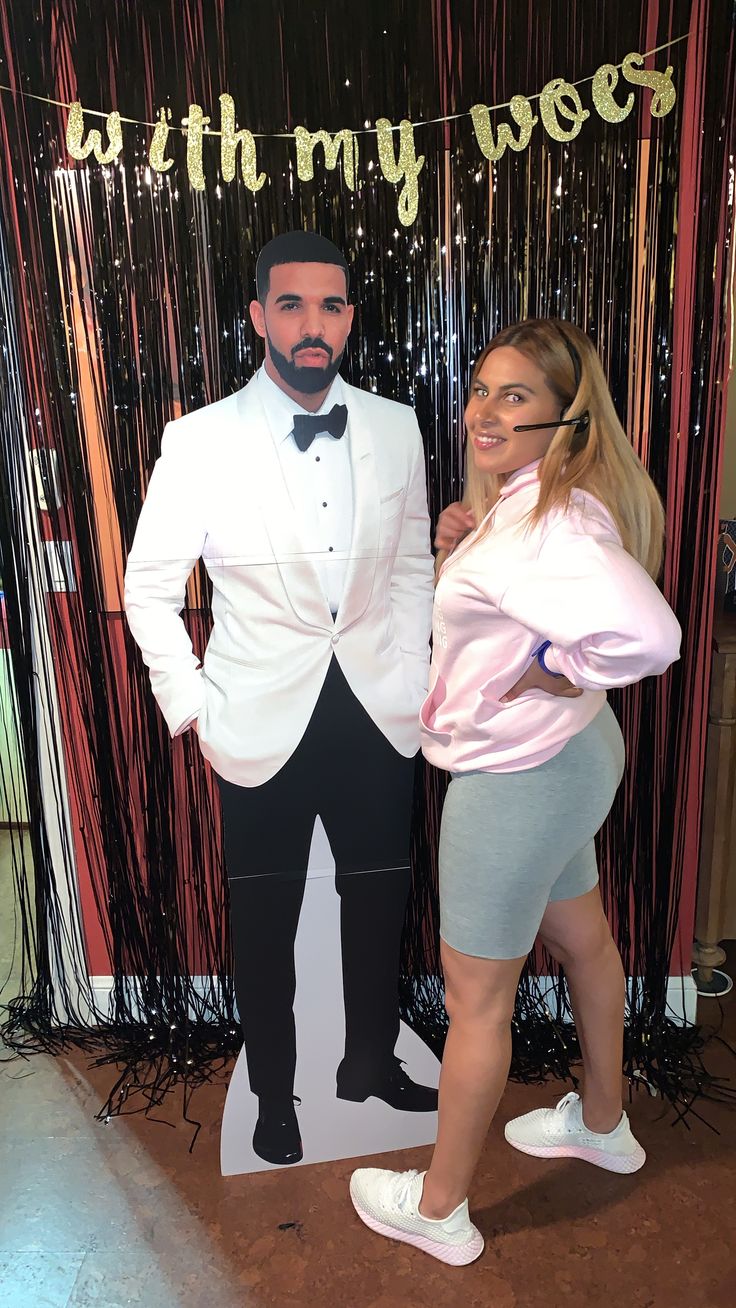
[207,988]
[682,996]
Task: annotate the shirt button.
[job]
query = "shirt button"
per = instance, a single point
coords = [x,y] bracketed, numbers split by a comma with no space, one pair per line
[335,640]
[331,549]
[316,459]
[324,504]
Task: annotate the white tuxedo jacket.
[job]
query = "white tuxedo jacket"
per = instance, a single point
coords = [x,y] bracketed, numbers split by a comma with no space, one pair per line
[218,492]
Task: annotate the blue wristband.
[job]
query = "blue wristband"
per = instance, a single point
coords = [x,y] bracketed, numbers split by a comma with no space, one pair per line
[539,655]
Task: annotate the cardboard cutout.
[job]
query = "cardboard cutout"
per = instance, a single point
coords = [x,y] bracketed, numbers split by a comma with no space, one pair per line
[314,530]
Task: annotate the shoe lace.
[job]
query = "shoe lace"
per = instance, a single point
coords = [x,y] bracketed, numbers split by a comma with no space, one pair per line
[401,1197]
[566,1100]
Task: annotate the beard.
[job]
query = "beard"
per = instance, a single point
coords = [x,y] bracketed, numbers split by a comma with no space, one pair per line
[307,380]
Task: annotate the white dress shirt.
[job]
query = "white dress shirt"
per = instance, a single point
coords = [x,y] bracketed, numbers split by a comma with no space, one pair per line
[319,483]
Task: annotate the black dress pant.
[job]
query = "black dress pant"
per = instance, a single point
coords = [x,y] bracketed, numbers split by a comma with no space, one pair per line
[345,771]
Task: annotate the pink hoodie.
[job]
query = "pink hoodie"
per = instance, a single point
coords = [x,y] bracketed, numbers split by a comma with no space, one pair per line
[569,581]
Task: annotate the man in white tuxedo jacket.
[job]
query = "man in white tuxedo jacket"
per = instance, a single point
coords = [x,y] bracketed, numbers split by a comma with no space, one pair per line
[306,499]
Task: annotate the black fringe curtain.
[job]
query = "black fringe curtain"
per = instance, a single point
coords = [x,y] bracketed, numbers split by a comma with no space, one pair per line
[124,303]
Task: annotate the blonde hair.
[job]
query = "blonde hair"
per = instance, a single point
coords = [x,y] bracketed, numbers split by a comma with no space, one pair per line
[599,460]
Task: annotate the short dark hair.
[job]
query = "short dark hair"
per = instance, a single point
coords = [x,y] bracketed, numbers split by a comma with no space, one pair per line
[296,247]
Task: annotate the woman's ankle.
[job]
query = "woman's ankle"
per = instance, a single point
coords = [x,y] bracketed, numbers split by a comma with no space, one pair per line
[436,1203]
[601,1118]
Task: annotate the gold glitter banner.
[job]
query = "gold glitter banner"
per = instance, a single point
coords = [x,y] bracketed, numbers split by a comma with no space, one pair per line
[560,108]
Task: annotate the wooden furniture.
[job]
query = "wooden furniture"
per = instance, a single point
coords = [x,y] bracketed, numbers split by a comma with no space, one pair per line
[715,914]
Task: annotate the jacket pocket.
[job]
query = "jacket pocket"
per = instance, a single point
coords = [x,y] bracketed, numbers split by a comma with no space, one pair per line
[393,503]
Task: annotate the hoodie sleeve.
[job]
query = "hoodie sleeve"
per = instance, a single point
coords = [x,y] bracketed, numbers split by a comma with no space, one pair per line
[608,623]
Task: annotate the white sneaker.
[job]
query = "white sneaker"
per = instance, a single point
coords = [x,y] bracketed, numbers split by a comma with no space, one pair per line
[561,1133]
[388,1202]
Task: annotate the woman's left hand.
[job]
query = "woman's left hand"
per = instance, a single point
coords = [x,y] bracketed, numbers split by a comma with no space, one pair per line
[535,678]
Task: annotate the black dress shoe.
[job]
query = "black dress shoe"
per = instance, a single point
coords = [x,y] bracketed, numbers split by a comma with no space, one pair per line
[276,1138]
[391,1084]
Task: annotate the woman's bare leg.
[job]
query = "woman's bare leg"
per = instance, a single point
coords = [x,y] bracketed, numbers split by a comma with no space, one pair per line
[479,995]
[576,934]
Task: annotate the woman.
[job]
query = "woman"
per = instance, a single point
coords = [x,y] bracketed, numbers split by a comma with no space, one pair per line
[547,602]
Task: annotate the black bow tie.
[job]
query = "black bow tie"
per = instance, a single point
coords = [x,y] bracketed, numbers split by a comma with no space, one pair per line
[309,425]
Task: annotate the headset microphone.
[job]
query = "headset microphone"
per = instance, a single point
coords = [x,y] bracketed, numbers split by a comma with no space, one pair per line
[580,424]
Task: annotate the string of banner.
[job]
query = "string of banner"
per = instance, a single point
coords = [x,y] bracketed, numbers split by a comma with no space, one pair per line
[560,108]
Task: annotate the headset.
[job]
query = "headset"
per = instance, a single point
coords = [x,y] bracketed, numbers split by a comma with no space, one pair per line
[582,423]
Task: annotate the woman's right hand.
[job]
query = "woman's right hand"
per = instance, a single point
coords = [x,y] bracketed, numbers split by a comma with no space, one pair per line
[454,522]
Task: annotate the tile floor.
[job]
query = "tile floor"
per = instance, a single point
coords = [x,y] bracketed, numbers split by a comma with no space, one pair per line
[121,1214]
